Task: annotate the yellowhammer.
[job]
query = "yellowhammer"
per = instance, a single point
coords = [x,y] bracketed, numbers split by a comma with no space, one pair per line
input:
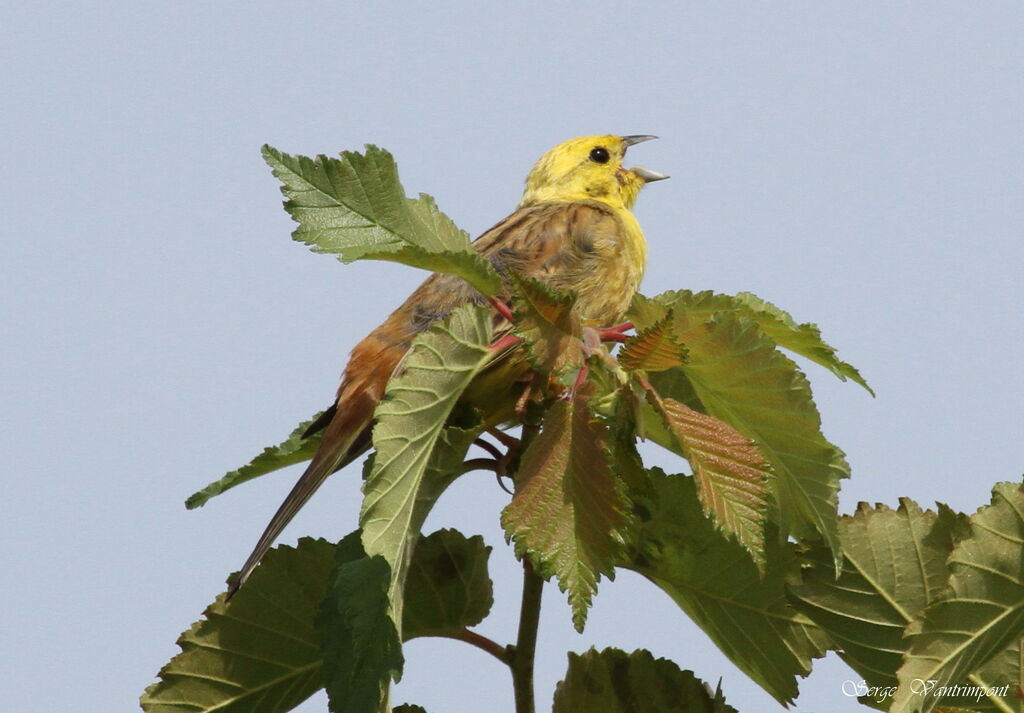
[573,231]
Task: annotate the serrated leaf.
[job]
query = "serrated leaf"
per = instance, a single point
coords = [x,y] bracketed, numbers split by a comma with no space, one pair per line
[361,649]
[730,472]
[549,326]
[777,324]
[983,616]
[355,206]
[447,588]
[568,511]
[612,681]
[738,376]
[803,339]
[258,654]
[264,652]
[712,578]
[653,349]
[894,566]
[295,449]
[409,424]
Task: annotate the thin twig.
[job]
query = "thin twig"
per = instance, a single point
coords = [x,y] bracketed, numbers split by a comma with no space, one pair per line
[489,447]
[504,438]
[502,653]
[480,464]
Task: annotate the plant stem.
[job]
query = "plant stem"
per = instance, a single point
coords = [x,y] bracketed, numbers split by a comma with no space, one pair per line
[522,654]
[526,642]
[502,653]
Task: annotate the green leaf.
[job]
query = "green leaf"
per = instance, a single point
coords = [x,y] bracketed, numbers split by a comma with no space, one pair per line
[713,579]
[361,649]
[295,449]
[409,708]
[410,420]
[447,588]
[612,681]
[355,206]
[956,637]
[775,323]
[549,326]
[894,566]
[730,472]
[803,339]
[265,651]
[258,654]
[568,512]
[738,376]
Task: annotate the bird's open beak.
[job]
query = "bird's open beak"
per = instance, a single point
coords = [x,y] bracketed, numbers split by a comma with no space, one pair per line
[636,139]
[646,174]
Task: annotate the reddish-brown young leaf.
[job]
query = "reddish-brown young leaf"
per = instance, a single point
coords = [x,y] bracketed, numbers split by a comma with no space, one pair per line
[653,349]
[568,512]
[734,372]
[730,472]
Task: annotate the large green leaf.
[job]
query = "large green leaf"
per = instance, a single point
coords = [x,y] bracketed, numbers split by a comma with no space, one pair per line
[713,579]
[261,652]
[803,339]
[362,653]
[410,420]
[737,374]
[295,449]
[894,566]
[355,206]
[972,629]
[568,512]
[264,652]
[447,588]
[779,325]
[612,681]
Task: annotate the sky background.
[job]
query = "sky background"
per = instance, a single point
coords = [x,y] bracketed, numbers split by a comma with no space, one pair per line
[858,164]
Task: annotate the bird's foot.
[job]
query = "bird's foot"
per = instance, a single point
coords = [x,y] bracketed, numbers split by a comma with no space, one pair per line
[506,342]
[502,308]
[616,333]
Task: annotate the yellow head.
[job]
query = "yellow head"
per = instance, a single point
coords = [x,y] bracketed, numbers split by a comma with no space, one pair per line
[588,168]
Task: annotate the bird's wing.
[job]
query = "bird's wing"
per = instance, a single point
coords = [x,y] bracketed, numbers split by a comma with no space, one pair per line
[553,243]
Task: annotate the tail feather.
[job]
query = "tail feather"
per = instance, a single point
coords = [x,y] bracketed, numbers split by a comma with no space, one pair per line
[346,437]
[374,360]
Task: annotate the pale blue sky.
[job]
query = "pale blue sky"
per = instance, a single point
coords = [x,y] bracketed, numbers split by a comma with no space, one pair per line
[859,164]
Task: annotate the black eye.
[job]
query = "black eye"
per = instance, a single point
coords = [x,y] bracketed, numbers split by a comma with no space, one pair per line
[600,155]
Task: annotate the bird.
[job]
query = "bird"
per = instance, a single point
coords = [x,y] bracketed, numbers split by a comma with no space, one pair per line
[572,231]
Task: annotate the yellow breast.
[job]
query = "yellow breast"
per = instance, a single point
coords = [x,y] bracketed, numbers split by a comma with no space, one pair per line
[606,292]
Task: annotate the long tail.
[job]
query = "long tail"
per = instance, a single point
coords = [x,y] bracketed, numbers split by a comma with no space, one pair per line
[374,360]
[346,437]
